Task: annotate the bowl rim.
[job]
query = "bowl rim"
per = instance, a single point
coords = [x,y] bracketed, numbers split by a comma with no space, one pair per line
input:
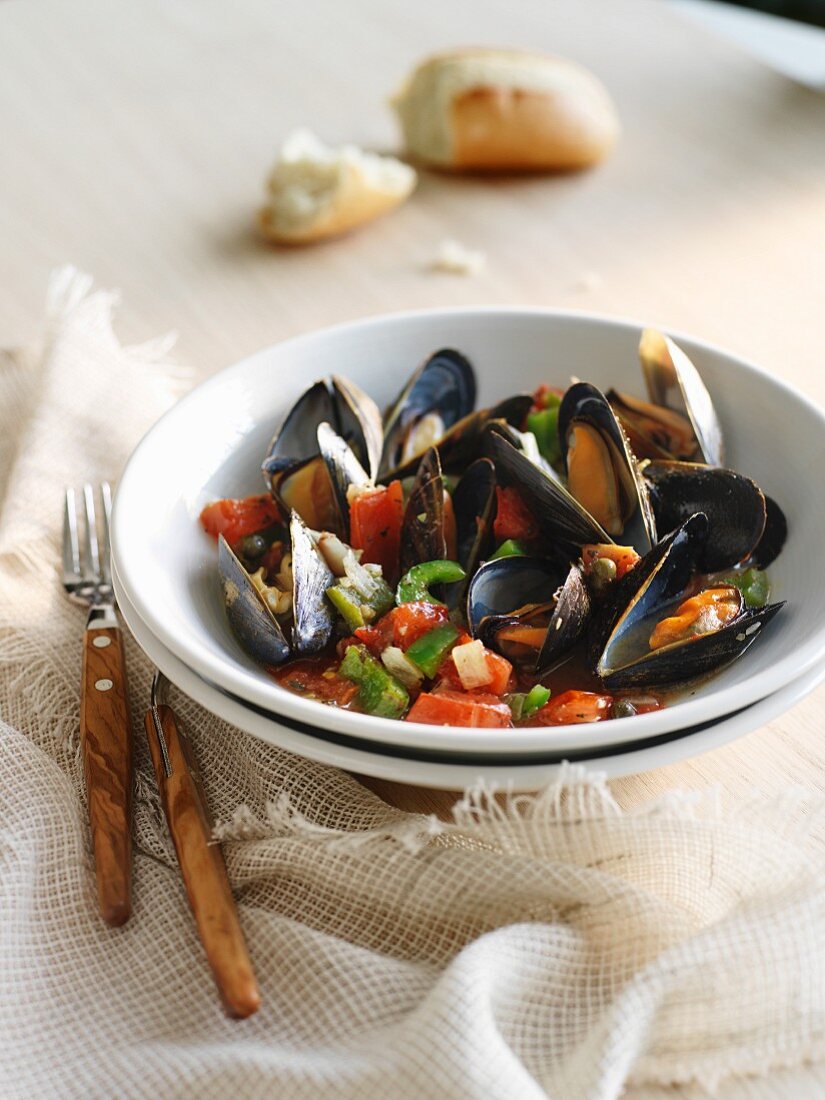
[241,682]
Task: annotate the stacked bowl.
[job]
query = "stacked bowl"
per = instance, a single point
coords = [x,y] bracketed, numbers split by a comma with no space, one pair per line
[210,445]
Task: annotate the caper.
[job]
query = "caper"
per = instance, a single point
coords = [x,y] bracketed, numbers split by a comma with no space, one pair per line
[602,574]
[622,708]
[253,547]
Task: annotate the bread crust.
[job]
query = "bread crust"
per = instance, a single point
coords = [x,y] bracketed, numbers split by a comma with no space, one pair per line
[505,110]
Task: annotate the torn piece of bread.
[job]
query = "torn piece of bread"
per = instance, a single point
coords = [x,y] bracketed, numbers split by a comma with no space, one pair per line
[505,110]
[451,256]
[317,192]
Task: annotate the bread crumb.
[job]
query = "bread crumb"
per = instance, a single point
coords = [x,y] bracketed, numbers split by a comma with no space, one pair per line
[587,281]
[453,257]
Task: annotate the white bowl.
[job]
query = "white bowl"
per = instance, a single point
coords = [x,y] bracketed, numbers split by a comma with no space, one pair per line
[454,771]
[211,443]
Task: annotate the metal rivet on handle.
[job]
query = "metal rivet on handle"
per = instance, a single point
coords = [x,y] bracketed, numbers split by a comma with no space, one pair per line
[103,685]
[101,641]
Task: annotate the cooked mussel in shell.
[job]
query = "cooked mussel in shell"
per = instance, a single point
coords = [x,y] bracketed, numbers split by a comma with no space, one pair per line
[653,632]
[528,609]
[734,505]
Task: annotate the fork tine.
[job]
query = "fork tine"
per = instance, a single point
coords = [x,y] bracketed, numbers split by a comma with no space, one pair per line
[105,547]
[71,543]
[92,555]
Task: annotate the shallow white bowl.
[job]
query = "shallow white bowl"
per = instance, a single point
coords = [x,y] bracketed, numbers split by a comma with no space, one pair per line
[210,445]
[455,771]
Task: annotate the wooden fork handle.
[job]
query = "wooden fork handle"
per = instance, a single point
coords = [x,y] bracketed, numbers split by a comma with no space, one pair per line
[106,738]
[203,867]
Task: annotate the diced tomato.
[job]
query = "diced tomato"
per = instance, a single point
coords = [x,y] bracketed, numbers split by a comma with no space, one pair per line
[317,678]
[542,393]
[514,519]
[235,519]
[572,707]
[644,704]
[412,620]
[375,525]
[376,638]
[456,708]
[500,669]
[625,557]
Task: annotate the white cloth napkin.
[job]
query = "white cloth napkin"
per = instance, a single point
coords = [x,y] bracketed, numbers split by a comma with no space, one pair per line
[532,946]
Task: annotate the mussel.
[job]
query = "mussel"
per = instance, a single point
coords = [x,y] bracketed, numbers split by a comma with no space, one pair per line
[734,505]
[294,468]
[428,530]
[256,611]
[644,635]
[441,392]
[474,503]
[773,537]
[674,384]
[602,472]
[530,610]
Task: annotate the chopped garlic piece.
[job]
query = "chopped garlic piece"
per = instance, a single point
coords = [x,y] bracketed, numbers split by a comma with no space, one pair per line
[471,665]
[398,664]
[452,257]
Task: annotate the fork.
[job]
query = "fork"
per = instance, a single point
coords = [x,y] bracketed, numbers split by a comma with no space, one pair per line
[105,728]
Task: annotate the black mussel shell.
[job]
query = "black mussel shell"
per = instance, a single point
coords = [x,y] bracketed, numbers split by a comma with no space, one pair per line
[655,581]
[444,384]
[773,537]
[359,422]
[519,591]
[296,440]
[313,617]
[622,625]
[253,624]
[423,536]
[654,431]
[694,657]
[344,470]
[585,408]
[734,505]
[558,515]
[674,382]
[474,504]
[464,441]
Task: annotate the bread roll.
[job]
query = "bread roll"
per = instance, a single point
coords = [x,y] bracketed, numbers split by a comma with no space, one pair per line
[317,192]
[505,110]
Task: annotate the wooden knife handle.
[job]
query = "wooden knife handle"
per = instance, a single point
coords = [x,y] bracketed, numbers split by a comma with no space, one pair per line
[203,868]
[106,738]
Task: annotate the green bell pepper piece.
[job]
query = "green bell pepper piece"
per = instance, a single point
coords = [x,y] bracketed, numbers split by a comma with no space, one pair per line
[524,706]
[754,586]
[349,609]
[535,699]
[431,648]
[510,548]
[544,425]
[379,693]
[414,586]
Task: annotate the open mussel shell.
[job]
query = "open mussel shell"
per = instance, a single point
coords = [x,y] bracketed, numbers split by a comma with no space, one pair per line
[530,610]
[293,468]
[557,513]
[675,383]
[773,537]
[423,534]
[344,471]
[462,443]
[474,504]
[253,624]
[358,422]
[653,431]
[602,472]
[734,505]
[441,392]
[621,627]
[313,616]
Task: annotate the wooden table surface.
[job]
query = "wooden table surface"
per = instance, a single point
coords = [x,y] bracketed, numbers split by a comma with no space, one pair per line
[135,139]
